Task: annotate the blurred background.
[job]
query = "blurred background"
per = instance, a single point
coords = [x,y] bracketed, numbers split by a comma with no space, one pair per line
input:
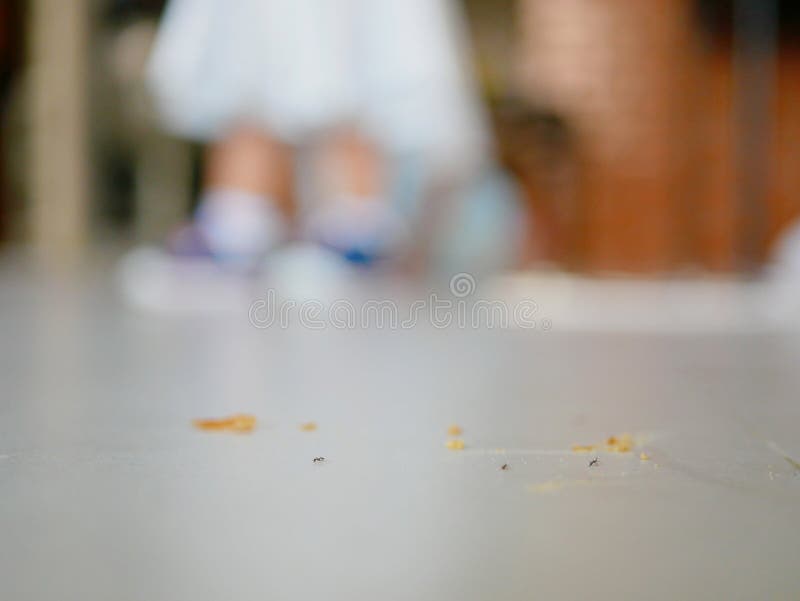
[642,137]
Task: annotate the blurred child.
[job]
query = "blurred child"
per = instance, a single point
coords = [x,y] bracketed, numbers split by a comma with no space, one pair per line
[355,87]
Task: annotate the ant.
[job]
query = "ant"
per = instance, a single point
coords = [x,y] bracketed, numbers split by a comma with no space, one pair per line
[594,462]
[504,467]
[318,459]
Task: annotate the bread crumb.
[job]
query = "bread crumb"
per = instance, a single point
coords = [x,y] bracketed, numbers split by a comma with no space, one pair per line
[455,444]
[239,423]
[644,456]
[623,444]
[308,427]
[613,444]
[454,430]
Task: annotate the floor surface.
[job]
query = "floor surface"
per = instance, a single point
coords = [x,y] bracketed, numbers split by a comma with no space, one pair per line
[108,492]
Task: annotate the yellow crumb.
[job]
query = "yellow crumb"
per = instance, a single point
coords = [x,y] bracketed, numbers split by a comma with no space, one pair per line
[613,444]
[455,445]
[308,427]
[454,430]
[239,423]
[644,456]
[621,444]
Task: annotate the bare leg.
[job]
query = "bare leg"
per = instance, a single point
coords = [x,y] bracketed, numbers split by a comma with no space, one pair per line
[351,167]
[246,200]
[355,217]
[249,160]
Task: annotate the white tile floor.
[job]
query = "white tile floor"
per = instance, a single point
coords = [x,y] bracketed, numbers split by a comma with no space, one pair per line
[106,491]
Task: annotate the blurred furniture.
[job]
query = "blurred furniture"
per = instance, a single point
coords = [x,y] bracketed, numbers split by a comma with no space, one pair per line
[87,57]
[59,119]
[683,121]
[10,55]
[538,147]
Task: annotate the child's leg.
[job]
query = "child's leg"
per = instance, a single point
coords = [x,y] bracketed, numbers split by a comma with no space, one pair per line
[249,160]
[246,199]
[354,216]
[351,167]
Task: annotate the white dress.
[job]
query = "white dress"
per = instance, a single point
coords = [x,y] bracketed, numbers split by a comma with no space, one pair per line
[395,68]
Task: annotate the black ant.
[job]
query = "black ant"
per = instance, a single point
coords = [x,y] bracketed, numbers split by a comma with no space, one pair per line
[504,467]
[318,459]
[594,462]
